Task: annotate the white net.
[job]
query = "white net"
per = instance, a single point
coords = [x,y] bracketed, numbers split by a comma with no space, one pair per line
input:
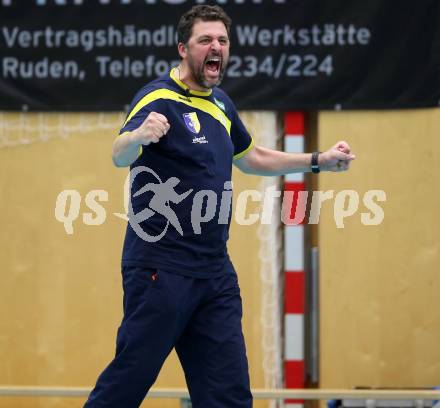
[270,254]
[24,128]
[271,306]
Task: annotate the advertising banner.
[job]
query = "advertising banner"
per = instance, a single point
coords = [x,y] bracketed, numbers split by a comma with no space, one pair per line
[90,55]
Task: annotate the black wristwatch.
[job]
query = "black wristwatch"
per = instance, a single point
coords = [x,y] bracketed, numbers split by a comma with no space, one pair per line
[314,164]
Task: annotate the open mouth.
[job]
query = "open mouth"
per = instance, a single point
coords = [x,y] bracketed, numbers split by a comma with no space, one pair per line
[213,64]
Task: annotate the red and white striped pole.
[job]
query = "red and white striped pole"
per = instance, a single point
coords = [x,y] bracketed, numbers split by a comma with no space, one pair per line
[294,365]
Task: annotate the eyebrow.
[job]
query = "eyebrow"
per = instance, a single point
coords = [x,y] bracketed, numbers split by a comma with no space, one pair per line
[207,36]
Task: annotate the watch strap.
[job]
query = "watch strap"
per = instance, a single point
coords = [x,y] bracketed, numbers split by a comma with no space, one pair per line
[314,163]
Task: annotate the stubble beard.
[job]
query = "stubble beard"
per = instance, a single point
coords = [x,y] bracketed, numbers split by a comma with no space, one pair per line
[199,75]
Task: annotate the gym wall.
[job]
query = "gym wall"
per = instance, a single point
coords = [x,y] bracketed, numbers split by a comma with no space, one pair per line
[380,319]
[61,296]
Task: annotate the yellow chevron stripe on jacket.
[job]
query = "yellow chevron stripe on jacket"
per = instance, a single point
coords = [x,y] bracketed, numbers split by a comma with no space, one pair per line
[199,103]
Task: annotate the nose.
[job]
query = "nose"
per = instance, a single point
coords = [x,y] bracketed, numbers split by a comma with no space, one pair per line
[215,45]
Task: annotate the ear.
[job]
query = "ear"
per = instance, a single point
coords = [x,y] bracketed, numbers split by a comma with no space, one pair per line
[181,47]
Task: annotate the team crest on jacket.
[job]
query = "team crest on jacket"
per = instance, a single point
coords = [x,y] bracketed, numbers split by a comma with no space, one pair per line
[192,122]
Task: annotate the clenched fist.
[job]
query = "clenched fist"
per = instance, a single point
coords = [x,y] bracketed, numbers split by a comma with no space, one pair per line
[152,129]
[337,158]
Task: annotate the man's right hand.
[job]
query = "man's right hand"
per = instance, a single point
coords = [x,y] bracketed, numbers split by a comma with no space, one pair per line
[154,127]
[127,146]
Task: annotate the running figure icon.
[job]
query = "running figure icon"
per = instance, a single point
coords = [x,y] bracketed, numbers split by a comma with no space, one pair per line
[164,193]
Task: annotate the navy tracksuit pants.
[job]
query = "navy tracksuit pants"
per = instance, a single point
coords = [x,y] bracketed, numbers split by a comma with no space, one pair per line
[201,318]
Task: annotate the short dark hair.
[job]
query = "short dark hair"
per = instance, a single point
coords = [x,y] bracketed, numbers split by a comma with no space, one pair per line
[203,13]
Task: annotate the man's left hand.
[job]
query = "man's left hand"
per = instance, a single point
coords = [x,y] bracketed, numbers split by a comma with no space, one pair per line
[337,158]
